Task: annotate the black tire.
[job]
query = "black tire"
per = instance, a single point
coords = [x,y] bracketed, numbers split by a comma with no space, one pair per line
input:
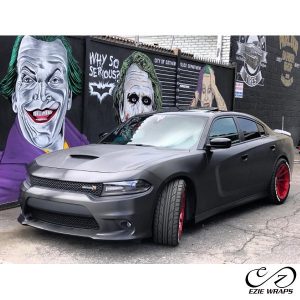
[169,214]
[280,182]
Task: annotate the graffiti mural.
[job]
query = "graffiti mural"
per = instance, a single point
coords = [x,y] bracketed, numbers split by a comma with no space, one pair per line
[103,73]
[123,80]
[41,79]
[252,52]
[138,89]
[207,93]
[289,46]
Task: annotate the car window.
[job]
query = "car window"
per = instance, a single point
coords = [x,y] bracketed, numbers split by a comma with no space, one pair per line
[249,129]
[224,128]
[261,129]
[159,130]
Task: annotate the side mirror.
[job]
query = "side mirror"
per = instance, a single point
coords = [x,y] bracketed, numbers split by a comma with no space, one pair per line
[219,143]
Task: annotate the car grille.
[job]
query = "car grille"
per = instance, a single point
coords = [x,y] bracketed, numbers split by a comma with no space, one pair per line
[83,222]
[82,187]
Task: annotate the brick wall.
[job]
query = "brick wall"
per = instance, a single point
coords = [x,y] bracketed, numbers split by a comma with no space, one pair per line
[278,94]
[225,54]
[200,46]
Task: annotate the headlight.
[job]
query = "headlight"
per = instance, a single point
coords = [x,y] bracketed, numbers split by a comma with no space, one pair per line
[27,182]
[125,187]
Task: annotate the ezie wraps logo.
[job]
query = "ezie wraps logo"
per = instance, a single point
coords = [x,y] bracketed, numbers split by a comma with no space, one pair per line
[277,283]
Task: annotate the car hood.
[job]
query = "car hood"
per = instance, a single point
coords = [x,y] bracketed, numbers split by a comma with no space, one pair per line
[106,158]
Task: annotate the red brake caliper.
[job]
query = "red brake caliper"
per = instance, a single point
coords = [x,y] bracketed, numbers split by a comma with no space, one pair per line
[282,181]
[181,215]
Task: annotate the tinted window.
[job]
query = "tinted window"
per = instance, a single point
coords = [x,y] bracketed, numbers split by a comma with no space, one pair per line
[249,129]
[224,128]
[261,129]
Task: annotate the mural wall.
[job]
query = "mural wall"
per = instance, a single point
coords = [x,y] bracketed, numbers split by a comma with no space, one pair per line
[268,79]
[252,54]
[123,81]
[39,83]
[207,93]
[58,92]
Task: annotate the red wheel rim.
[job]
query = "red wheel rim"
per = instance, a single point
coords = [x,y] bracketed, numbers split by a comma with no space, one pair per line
[282,181]
[181,215]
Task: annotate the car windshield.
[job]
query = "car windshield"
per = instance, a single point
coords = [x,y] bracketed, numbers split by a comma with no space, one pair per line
[159,130]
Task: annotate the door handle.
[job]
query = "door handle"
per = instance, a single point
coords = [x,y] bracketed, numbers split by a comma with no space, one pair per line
[245,157]
[273,147]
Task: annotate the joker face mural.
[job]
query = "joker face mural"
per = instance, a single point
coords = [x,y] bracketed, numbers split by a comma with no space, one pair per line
[138,89]
[138,93]
[42,95]
[41,77]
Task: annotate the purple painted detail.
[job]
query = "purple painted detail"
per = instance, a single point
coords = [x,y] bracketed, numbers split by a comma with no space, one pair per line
[18,153]
[200,79]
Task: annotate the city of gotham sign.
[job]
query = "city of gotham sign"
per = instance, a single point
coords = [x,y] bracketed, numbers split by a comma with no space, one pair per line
[289,49]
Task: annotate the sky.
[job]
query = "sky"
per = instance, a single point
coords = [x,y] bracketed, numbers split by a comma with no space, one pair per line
[155,17]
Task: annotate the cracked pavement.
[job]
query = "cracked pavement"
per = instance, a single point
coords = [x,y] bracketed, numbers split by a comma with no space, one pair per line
[255,233]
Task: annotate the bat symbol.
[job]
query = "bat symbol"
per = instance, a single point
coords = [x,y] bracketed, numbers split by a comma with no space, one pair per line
[101,90]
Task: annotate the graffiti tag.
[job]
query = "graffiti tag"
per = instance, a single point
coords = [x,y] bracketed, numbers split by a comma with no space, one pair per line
[104,70]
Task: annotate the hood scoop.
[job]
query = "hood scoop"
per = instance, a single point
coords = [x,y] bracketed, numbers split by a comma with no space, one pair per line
[83,156]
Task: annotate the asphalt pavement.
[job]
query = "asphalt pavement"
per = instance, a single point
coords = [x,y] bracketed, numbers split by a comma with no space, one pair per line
[254,233]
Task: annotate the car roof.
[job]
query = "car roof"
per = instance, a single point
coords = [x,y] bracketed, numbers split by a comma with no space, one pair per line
[210,112]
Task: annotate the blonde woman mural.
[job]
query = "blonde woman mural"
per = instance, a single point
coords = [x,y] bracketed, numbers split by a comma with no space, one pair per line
[207,93]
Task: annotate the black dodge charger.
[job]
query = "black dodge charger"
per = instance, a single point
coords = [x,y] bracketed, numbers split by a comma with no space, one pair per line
[154,173]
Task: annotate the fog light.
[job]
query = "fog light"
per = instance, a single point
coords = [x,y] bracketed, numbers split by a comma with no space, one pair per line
[126,224]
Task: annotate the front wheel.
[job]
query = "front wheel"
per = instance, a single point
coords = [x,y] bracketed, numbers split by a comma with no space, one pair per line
[280,182]
[169,214]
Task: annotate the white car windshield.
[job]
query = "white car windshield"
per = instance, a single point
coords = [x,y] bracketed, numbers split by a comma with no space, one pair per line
[159,130]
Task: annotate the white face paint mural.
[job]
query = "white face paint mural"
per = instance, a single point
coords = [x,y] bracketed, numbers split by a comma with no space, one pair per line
[42,95]
[138,93]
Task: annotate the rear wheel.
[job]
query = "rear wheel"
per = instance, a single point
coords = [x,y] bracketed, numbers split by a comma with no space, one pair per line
[169,214]
[280,182]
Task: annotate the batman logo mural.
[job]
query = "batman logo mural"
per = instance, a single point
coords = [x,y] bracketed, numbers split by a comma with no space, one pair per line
[101,89]
[252,52]
[103,74]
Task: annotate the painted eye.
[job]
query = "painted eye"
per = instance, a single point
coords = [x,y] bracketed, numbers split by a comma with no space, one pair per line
[146,100]
[27,79]
[133,98]
[55,80]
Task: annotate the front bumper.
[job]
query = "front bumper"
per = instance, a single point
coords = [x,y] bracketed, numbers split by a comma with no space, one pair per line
[105,218]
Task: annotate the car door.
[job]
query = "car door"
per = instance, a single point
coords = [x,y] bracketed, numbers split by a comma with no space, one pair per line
[261,154]
[226,176]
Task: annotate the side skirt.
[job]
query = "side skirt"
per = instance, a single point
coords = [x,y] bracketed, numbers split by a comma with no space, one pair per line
[206,214]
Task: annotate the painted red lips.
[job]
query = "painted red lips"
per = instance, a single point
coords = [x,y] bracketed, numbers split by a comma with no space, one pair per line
[42,116]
